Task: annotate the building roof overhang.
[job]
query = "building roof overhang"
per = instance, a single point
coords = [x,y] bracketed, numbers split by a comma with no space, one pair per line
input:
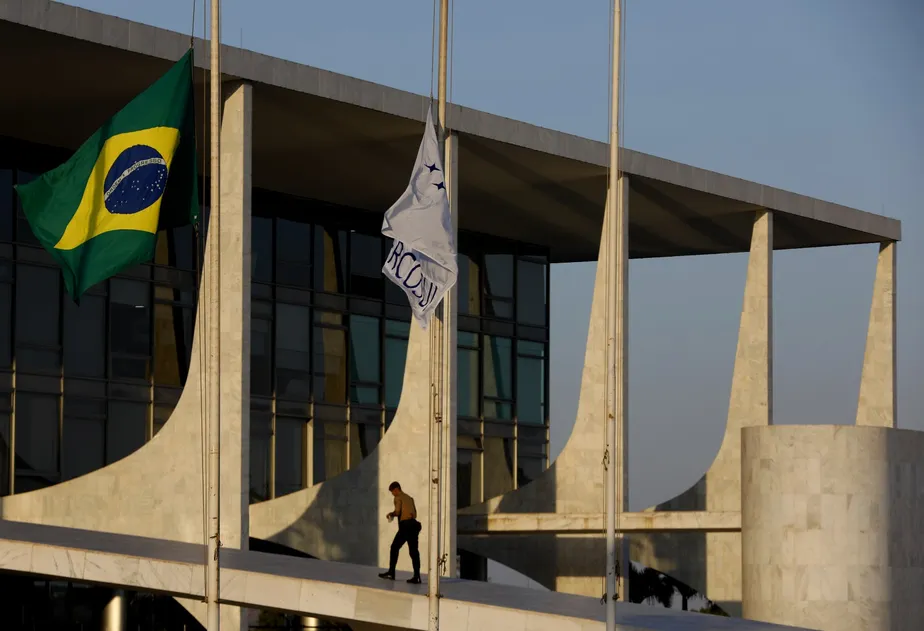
[325,136]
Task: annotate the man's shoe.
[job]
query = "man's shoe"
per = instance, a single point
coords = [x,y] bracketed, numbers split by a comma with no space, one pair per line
[387,575]
[414,580]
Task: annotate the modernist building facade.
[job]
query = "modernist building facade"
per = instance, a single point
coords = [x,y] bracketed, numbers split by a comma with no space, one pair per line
[325,389]
[88,384]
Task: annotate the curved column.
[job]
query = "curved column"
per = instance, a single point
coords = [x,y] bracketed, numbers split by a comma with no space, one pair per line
[877,403]
[711,562]
[831,526]
[157,491]
[343,519]
[573,483]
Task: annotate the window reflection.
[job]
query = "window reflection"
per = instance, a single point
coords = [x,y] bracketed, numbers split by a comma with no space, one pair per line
[84,437]
[498,378]
[260,434]
[261,245]
[126,429]
[363,439]
[469,286]
[330,374]
[499,285]
[85,337]
[364,359]
[531,292]
[329,260]
[366,265]
[395,357]
[498,466]
[293,351]
[467,375]
[330,457]
[6,205]
[130,328]
[36,440]
[290,442]
[37,316]
[293,253]
[531,383]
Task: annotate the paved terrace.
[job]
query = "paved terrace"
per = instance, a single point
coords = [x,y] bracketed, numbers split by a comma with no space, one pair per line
[337,591]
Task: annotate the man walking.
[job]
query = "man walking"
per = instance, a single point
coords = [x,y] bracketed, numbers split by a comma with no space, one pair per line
[408,531]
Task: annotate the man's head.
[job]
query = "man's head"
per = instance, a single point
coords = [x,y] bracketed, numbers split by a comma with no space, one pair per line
[395,488]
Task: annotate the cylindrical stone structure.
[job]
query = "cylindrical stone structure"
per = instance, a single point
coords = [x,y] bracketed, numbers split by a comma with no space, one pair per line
[833,527]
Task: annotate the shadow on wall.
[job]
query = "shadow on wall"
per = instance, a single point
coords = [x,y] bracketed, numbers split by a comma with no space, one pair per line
[322,530]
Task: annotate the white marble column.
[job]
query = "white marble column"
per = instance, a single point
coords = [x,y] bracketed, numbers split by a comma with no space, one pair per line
[877,403]
[236,138]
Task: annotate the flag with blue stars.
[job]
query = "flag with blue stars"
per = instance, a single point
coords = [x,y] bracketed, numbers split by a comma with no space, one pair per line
[422,260]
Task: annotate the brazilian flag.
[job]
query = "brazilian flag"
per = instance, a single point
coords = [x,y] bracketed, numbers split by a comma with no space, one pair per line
[99,212]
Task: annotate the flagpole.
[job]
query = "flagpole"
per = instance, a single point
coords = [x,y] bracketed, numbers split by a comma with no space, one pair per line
[439,331]
[617,260]
[213,426]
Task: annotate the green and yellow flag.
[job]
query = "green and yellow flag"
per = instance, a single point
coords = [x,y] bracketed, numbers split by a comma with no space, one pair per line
[99,212]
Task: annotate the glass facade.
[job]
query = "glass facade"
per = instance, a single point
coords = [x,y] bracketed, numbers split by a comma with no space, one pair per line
[84,385]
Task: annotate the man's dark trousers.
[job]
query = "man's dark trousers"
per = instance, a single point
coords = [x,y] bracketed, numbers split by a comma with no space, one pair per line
[408,531]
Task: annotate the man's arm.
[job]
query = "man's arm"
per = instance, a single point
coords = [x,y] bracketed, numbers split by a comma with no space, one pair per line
[397,512]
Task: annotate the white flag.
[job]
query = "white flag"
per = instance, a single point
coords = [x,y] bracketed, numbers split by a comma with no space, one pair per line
[422,260]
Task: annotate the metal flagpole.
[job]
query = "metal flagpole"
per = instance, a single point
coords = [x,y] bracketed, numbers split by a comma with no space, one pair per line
[617,259]
[439,331]
[213,306]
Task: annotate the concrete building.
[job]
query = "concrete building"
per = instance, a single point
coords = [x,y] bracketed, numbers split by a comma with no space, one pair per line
[324,377]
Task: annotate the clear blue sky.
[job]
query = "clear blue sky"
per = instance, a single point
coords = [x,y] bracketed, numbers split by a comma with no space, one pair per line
[821,97]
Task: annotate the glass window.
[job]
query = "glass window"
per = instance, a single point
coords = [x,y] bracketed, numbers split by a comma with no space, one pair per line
[499,285]
[467,375]
[290,449]
[162,414]
[37,318]
[528,469]
[530,389]
[6,321]
[498,466]
[330,457]
[84,437]
[329,260]
[261,358]
[396,341]
[130,328]
[469,286]
[498,377]
[330,374]
[293,253]
[85,337]
[126,429]
[363,439]
[293,351]
[531,292]
[5,447]
[365,359]
[173,333]
[23,229]
[366,265]
[261,246]
[6,205]
[468,473]
[260,433]
[36,433]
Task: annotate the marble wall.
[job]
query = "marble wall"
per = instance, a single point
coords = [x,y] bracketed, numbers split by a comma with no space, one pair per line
[831,527]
